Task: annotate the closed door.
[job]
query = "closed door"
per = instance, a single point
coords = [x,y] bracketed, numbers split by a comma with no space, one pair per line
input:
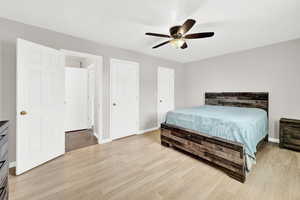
[124,101]
[40,105]
[166,78]
[76,99]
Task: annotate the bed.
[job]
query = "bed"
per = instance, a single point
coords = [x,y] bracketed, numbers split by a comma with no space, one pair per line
[226,132]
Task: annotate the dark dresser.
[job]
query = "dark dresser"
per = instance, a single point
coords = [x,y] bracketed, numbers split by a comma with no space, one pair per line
[4,160]
[289,134]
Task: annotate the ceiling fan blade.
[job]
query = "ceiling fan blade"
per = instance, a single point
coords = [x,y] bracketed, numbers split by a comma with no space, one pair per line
[158,35]
[188,24]
[184,46]
[199,35]
[161,44]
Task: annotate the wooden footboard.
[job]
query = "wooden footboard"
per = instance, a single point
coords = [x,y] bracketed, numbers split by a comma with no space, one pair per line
[226,155]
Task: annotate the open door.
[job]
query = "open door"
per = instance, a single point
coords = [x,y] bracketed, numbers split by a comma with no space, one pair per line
[40,105]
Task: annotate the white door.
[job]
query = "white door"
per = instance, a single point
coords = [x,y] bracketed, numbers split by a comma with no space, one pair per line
[165,90]
[124,98]
[91,94]
[76,99]
[40,105]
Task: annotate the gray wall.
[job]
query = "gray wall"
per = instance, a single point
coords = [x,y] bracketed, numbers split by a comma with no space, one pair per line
[274,69]
[10,31]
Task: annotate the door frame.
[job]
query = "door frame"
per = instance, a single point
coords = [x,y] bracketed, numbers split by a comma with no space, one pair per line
[98,131]
[158,99]
[112,60]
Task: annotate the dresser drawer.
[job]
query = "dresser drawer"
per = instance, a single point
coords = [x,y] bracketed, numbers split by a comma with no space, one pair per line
[3,147]
[3,171]
[4,193]
[4,160]
[3,127]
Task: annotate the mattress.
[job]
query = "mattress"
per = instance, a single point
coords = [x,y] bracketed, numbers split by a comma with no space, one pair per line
[245,125]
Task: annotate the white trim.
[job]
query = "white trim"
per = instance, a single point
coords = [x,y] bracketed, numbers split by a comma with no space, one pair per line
[149,130]
[274,140]
[110,93]
[103,141]
[99,84]
[12,164]
[96,135]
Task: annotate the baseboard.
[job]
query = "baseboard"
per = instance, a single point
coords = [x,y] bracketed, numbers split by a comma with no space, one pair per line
[148,130]
[103,141]
[96,135]
[12,164]
[274,140]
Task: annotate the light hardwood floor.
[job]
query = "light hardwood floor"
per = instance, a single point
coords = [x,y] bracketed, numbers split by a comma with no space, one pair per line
[139,168]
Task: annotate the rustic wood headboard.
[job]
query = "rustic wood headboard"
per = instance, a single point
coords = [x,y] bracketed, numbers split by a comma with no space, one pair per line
[239,99]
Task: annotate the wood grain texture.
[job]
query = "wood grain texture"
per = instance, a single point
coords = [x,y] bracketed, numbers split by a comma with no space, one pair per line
[4,160]
[289,135]
[138,167]
[239,99]
[79,139]
[224,154]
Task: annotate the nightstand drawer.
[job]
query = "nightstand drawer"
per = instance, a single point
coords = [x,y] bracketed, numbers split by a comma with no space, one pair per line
[290,134]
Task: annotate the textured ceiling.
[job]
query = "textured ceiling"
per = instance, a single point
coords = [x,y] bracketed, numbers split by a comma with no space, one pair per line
[238,24]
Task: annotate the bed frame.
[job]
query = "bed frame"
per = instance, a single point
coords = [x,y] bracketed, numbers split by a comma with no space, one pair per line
[224,154]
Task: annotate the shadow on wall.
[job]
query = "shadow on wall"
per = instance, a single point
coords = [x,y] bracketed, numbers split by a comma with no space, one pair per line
[276,129]
[8,91]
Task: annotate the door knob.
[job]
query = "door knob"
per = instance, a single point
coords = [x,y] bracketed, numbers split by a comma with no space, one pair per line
[160,101]
[23,112]
[114,104]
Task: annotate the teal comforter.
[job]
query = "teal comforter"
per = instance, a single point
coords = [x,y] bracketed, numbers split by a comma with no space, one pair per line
[245,125]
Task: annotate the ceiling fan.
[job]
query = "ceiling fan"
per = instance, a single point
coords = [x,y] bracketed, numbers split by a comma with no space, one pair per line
[178,35]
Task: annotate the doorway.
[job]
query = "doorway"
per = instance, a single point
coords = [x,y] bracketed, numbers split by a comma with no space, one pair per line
[165,92]
[80,100]
[124,98]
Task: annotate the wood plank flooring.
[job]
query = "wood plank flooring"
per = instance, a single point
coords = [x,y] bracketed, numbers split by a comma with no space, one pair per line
[79,139]
[139,168]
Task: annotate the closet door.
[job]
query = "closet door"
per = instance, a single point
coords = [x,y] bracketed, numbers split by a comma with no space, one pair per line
[40,105]
[124,102]
[165,92]
[76,99]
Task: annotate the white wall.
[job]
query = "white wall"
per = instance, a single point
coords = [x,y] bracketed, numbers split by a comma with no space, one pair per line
[274,69]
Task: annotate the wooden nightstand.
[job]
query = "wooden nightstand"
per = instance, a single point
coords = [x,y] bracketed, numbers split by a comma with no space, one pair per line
[290,134]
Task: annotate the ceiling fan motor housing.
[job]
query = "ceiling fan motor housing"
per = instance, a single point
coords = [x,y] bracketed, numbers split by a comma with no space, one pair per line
[174,32]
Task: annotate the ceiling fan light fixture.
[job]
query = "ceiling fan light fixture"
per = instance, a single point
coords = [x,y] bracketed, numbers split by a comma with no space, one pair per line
[177,43]
[178,35]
